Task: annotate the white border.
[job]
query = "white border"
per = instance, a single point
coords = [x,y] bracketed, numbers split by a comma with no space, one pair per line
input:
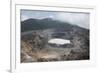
[17,67]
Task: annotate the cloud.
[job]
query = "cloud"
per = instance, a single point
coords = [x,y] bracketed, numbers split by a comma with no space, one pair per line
[80,19]
[24,17]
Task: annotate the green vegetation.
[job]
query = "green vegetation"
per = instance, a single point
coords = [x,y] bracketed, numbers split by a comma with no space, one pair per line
[36,24]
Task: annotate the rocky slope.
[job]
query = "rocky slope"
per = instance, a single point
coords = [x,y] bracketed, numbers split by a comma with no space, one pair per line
[36,33]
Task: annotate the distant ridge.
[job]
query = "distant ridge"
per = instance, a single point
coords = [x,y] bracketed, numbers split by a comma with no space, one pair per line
[39,24]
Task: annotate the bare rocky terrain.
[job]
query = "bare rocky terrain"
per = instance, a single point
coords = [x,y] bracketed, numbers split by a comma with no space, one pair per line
[35,46]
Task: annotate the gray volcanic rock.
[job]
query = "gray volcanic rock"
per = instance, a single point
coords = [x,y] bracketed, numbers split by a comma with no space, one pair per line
[35,35]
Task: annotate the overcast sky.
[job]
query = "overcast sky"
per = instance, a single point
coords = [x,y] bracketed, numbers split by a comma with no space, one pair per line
[80,19]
